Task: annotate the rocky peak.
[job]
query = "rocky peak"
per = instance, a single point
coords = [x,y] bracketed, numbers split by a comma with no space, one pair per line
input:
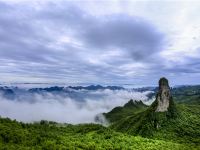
[163,95]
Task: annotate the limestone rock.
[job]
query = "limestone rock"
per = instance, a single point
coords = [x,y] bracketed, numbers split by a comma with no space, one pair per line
[163,96]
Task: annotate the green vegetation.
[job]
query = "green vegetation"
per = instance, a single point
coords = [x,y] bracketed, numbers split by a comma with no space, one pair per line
[132,126]
[141,129]
[130,108]
[146,122]
[185,128]
[52,136]
[180,124]
[187,94]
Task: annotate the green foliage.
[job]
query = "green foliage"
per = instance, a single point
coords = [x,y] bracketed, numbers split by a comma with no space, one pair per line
[134,126]
[187,94]
[130,108]
[180,124]
[147,122]
[53,136]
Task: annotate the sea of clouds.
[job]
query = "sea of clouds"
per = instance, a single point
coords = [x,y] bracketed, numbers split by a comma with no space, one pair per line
[65,109]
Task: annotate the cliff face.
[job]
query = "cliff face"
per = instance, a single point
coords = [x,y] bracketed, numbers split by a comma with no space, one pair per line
[163,95]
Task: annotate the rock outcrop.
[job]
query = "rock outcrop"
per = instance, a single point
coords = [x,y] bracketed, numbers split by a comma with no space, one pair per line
[158,117]
[163,96]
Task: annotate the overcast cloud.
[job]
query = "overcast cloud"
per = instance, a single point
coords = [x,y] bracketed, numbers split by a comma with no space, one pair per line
[99,42]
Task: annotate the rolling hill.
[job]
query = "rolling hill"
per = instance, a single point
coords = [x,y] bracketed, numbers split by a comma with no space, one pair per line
[168,123]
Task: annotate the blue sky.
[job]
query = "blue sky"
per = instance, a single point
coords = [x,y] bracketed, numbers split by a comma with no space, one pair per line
[108,42]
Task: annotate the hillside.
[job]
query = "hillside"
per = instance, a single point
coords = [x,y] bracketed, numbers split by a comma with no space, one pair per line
[185,128]
[128,109]
[187,94]
[179,122]
[168,123]
[52,136]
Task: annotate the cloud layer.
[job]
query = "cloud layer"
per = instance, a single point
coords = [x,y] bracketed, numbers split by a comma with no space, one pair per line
[116,42]
[53,107]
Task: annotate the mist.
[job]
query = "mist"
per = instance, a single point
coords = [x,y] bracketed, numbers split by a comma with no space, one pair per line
[64,109]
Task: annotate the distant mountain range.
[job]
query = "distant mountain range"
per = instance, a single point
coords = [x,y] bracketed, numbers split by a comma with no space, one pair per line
[74,92]
[178,92]
[10,90]
[91,87]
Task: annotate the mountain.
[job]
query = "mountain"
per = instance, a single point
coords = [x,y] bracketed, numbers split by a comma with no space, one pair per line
[48,89]
[163,97]
[144,89]
[65,89]
[189,94]
[96,87]
[163,103]
[7,92]
[165,124]
[164,119]
[128,109]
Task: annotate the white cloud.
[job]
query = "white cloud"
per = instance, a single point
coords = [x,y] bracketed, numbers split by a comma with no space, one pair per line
[64,109]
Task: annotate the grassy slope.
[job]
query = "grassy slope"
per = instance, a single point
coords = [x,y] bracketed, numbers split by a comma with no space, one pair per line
[185,128]
[130,108]
[187,94]
[15,135]
[188,99]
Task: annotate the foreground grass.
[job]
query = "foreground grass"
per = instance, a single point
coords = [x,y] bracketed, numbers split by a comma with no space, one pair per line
[52,136]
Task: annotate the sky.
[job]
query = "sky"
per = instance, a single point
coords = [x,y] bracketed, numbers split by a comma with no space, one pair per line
[100,41]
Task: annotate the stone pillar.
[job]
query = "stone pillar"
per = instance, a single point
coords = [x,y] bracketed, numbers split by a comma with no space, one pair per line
[163,96]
